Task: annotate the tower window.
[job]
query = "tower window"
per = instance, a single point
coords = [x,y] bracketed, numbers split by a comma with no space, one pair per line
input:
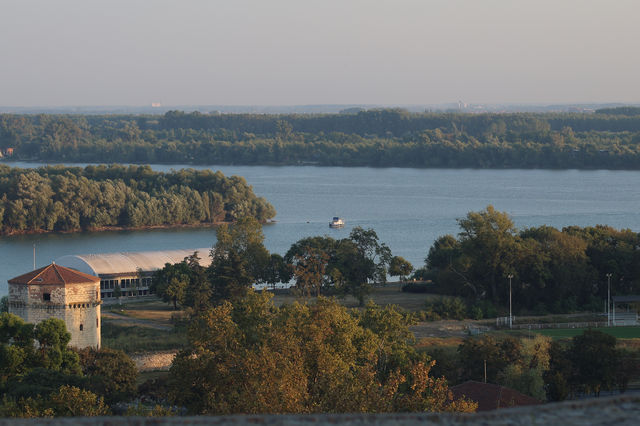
[81,327]
[46,297]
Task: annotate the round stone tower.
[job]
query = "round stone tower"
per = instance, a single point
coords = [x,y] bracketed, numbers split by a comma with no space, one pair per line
[58,292]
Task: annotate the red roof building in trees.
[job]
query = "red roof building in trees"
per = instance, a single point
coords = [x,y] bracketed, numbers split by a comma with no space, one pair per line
[490,396]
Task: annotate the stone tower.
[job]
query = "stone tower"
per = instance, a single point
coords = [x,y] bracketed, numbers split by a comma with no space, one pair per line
[58,292]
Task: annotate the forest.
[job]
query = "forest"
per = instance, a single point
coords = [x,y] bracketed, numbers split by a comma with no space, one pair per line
[65,199]
[552,271]
[606,139]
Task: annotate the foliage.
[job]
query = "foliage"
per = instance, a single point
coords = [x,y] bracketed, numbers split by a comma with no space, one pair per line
[172,283]
[42,380]
[70,401]
[277,271]
[157,410]
[376,138]
[252,357]
[19,355]
[400,267]
[348,265]
[551,270]
[4,304]
[498,354]
[57,198]
[309,269]
[594,360]
[446,308]
[113,374]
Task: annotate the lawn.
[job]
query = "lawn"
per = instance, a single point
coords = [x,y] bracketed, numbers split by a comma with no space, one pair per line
[132,339]
[390,294]
[631,332]
[152,310]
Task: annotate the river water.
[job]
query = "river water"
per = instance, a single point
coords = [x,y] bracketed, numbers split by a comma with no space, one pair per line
[408,208]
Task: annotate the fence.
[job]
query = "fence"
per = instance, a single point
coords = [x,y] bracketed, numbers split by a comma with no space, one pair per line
[592,324]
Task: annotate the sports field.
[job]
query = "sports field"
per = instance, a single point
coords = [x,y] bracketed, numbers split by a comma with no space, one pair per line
[631,332]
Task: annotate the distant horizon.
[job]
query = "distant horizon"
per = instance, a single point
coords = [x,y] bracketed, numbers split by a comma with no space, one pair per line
[507,107]
[335,52]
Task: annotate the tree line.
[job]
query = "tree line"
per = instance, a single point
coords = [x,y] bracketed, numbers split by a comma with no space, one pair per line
[253,357]
[551,270]
[56,198]
[318,266]
[546,369]
[606,139]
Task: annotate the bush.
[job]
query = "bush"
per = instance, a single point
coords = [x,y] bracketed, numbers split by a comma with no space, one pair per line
[476,313]
[447,308]
[483,309]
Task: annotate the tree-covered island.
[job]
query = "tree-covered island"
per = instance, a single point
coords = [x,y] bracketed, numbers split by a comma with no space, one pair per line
[68,199]
[606,139]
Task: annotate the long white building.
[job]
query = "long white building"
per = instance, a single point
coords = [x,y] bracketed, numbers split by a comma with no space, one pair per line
[130,272]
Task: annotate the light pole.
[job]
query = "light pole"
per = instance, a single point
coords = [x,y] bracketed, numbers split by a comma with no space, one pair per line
[510,316]
[609,299]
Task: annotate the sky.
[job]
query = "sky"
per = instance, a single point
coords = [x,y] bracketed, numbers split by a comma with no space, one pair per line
[303,52]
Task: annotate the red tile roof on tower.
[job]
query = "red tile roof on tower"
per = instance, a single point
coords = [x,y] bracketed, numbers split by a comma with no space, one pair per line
[54,274]
[490,396]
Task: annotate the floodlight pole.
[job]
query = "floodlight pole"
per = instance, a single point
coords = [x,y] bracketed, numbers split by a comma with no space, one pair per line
[609,299]
[510,316]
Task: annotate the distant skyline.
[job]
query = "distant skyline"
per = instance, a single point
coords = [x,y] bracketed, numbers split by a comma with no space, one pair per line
[292,52]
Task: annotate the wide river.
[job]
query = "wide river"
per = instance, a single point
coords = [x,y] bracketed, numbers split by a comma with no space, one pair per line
[408,208]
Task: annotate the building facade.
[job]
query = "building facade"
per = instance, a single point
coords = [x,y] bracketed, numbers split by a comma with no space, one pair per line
[58,292]
[128,275]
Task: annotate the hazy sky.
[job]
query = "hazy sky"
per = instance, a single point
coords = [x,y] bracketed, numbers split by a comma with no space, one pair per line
[293,52]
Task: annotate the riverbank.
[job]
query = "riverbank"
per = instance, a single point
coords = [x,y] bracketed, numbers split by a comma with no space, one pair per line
[119,228]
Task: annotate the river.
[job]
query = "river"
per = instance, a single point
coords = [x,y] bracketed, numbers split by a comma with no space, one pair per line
[408,208]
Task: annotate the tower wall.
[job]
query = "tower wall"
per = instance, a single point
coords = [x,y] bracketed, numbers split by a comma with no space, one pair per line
[78,305]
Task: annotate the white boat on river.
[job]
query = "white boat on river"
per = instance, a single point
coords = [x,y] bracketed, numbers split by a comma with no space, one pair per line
[336,222]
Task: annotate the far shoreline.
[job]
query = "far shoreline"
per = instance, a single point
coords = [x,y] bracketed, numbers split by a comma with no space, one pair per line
[105,229]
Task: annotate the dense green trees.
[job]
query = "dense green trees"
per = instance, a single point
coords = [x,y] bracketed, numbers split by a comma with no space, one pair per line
[346,266]
[539,367]
[319,265]
[400,267]
[111,373]
[41,377]
[608,139]
[72,199]
[552,270]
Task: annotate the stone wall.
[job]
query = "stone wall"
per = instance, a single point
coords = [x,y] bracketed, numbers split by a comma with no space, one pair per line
[84,325]
[83,318]
[78,305]
[619,411]
[154,361]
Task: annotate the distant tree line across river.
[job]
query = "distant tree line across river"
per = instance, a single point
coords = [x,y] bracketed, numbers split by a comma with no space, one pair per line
[608,139]
[96,197]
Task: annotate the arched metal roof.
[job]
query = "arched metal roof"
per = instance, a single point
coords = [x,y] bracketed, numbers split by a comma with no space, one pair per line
[122,263]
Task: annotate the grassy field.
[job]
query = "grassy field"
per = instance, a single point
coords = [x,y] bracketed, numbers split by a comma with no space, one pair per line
[631,332]
[391,294]
[141,339]
[153,310]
